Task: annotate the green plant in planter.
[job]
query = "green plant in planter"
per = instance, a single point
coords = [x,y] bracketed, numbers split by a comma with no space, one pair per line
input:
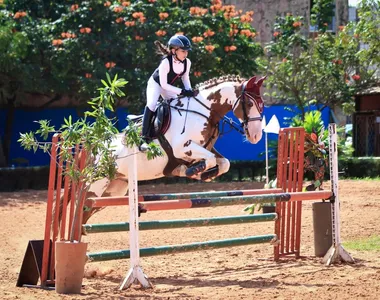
[95,132]
[316,146]
[251,208]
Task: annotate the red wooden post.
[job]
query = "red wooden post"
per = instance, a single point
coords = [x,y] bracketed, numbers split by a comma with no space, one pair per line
[290,179]
[49,207]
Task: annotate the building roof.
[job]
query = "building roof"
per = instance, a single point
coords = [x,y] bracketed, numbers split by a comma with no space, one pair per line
[369,91]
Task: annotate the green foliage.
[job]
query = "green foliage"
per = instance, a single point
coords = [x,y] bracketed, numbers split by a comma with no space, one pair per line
[322,13]
[94,132]
[313,124]
[287,37]
[95,135]
[360,167]
[287,64]
[328,69]
[133,137]
[65,47]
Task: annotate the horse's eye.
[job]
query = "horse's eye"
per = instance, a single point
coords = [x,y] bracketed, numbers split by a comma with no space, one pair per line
[250,103]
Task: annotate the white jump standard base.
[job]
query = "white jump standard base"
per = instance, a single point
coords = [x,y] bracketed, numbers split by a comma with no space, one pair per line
[336,253]
[135,273]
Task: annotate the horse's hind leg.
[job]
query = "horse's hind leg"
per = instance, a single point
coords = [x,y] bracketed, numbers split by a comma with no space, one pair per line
[116,187]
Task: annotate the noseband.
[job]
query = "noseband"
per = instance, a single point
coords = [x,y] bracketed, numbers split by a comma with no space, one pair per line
[245,98]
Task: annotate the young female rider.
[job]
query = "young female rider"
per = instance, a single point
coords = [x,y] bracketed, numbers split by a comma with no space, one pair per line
[174,66]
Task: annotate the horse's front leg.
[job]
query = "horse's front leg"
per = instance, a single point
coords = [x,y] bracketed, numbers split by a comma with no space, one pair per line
[191,151]
[222,166]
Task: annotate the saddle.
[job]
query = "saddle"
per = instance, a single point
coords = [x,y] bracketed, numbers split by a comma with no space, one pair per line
[160,122]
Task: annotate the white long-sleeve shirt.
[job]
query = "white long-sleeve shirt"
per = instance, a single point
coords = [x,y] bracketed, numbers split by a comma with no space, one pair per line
[178,67]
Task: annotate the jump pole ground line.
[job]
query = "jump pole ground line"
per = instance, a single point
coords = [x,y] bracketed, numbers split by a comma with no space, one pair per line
[170,224]
[151,251]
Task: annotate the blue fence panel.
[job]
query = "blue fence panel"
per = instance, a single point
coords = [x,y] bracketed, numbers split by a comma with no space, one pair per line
[25,122]
[231,145]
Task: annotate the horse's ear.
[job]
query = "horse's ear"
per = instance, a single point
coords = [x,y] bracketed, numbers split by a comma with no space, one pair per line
[261,80]
[251,82]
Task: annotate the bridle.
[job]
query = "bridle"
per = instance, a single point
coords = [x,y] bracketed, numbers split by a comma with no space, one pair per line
[246,98]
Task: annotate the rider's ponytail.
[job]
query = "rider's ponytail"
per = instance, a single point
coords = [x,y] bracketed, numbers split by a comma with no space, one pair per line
[161,49]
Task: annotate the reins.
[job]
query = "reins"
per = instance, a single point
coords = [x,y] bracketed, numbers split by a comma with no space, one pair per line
[225,120]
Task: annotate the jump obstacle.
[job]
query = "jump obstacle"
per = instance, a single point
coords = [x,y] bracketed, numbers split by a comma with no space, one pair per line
[287,218]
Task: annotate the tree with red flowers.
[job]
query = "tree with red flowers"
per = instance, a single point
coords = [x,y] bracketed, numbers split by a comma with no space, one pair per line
[64,47]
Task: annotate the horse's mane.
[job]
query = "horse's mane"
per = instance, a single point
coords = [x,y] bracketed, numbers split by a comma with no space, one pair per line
[218,80]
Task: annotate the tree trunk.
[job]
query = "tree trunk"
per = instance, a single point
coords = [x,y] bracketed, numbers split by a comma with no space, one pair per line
[7,140]
[3,162]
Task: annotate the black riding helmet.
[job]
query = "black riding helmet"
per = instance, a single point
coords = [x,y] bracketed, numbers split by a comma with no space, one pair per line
[180,41]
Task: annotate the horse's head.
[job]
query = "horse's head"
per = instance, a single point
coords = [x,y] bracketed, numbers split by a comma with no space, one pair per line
[248,108]
[241,96]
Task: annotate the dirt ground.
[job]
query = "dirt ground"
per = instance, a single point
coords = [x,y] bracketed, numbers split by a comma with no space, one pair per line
[244,272]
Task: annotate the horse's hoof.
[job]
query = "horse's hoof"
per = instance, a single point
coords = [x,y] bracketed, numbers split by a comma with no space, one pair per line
[210,174]
[141,210]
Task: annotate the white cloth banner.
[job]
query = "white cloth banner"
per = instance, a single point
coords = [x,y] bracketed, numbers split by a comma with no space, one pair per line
[273,126]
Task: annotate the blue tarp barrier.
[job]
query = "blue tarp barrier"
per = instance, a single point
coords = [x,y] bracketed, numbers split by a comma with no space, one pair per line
[231,145]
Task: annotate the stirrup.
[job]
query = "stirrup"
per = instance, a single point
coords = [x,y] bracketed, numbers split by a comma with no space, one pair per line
[144,147]
[145,144]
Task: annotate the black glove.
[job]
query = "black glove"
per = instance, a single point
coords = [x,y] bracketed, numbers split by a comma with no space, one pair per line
[187,93]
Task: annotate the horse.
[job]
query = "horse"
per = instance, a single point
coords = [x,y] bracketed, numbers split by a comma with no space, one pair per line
[189,137]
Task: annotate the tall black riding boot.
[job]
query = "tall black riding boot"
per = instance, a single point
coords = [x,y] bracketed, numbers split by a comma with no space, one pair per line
[146,125]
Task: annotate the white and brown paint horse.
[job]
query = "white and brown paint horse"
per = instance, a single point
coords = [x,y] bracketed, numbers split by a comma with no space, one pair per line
[192,133]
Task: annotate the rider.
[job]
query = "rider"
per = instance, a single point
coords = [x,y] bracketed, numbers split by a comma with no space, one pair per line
[174,66]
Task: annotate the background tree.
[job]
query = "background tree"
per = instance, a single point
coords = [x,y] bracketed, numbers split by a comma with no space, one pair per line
[63,48]
[328,69]
[287,62]
[322,12]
